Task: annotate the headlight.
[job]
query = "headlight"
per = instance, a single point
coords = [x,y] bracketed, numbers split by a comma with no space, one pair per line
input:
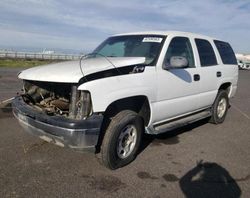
[84,105]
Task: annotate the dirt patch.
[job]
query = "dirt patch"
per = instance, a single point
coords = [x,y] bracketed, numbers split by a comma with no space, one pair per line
[104,183]
[30,147]
[175,163]
[163,186]
[170,178]
[5,111]
[145,175]
[165,141]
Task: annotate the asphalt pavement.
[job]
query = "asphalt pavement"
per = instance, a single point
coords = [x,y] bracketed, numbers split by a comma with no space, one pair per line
[200,160]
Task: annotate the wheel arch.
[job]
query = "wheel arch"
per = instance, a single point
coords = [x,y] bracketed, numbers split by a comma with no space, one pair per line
[139,103]
[227,86]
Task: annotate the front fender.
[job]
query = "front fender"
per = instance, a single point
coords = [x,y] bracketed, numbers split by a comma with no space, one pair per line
[107,90]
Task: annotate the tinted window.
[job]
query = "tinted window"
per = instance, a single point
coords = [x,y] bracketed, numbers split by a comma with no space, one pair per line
[180,46]
[226,52]
[206,52]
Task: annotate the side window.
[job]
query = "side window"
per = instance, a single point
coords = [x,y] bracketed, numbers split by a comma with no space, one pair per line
[206,52]
[226,52]
[180,46]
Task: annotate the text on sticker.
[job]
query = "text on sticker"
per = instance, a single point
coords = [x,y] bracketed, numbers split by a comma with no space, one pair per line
[152,39]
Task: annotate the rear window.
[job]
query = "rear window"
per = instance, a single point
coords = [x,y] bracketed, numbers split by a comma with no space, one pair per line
[206,52]
[226,52]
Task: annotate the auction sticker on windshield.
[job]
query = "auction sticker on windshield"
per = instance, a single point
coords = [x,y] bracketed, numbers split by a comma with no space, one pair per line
[152,39]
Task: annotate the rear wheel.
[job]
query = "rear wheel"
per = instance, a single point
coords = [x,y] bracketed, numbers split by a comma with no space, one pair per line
[122,139]
[220,107]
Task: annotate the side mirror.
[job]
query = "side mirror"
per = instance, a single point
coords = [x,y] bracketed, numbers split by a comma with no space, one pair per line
[177,62]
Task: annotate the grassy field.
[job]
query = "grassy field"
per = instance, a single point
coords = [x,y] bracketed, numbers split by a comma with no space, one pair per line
[14,63]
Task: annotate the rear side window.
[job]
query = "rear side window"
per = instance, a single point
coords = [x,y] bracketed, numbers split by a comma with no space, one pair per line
[226,52]
[206,52]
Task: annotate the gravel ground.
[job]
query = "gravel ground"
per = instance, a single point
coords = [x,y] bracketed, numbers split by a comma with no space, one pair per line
[201,160]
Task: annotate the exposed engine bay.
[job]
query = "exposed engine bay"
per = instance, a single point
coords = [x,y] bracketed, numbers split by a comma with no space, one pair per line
[57,99]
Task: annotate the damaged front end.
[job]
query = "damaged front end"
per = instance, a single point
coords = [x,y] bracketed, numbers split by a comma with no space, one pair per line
[58,113]
[58,99]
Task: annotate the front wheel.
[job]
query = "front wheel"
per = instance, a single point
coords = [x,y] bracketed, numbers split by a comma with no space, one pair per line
[122,139]
[220,107]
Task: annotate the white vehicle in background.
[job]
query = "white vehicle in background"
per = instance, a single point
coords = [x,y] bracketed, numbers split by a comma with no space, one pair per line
[240,64]
[244,65]
[243,61]
[135,83]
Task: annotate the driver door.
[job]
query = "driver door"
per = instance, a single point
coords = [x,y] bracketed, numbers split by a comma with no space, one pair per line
[178,88]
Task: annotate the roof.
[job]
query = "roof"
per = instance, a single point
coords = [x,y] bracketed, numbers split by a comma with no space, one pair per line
[165,33]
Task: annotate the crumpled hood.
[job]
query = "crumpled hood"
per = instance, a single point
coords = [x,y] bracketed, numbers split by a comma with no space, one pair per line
[70,72]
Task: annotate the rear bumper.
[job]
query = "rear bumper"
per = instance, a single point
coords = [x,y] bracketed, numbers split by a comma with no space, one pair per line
[76,134]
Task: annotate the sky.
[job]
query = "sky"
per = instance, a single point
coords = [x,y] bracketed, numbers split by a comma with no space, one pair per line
[82,25]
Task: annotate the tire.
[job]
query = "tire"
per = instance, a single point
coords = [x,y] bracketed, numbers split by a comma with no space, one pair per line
[122,139]
[220,107]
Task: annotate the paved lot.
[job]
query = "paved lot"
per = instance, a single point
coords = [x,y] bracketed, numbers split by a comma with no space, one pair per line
[9,83]
[201,160]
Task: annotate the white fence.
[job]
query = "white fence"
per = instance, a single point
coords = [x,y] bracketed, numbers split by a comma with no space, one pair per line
[39,56]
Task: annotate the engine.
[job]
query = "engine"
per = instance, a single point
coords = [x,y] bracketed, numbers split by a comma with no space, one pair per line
[57,99]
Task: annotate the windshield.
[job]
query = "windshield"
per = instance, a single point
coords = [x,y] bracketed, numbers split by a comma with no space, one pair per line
[147,46]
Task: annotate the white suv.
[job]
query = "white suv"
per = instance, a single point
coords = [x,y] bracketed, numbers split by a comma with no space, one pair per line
[147,82]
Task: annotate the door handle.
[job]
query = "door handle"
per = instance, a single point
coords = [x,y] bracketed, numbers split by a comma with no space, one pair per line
[218,74]
[196,77]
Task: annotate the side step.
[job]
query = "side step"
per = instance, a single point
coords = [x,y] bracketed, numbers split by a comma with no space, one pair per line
[179,122]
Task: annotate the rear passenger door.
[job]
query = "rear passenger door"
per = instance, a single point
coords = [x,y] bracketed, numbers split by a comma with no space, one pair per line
[209,71]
